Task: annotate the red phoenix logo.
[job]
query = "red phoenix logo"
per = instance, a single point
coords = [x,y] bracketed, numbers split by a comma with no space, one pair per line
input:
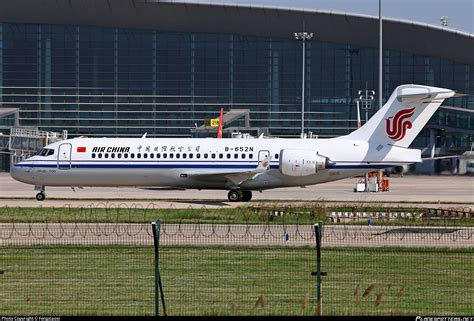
[397,127]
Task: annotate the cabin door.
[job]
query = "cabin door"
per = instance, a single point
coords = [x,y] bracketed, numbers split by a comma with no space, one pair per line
[64,156]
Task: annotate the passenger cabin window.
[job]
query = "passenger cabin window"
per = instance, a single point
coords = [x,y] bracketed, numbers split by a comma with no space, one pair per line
[125,155]
[139,155]
[119,155]
[243,156]
[250,156]
[132,155]
[100,155]
[276,156]
[93,155]
[236,156]
[228,155]
[112,155]
[178,155]
[145,155]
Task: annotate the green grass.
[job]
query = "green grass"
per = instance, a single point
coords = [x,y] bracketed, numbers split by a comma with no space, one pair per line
[235,281]
[147,215]
[76,281]
[402,281]
[239,215]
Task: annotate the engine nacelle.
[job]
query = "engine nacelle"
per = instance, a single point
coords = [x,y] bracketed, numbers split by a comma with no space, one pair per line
[301,162]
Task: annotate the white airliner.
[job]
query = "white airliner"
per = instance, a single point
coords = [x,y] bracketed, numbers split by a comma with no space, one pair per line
[238,165]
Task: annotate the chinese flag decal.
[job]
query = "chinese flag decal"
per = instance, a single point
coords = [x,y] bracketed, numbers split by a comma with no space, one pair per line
[81,149]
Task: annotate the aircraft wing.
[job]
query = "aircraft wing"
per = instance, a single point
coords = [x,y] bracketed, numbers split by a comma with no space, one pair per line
[235,178]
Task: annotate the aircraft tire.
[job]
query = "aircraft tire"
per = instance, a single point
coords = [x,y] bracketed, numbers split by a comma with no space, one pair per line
[40,196]
[247,196]
[235,195]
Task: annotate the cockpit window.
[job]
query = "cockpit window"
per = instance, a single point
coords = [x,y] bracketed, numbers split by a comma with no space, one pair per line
[46,152]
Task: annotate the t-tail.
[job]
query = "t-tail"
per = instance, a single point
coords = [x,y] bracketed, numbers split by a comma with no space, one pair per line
[404,115]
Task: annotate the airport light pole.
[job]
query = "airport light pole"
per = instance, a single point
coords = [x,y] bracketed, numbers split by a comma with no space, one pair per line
[444,21]
[304,36]
[380,54]
[366,100]
[366,97]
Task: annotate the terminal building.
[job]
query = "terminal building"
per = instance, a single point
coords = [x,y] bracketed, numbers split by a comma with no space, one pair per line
[120,68]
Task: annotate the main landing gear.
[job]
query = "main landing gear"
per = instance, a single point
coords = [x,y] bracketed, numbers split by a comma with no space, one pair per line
[237,195]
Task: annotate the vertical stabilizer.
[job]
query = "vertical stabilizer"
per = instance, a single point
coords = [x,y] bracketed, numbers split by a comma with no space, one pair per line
[404,115]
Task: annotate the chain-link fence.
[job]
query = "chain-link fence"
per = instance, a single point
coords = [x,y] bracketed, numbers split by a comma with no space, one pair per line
[105,266]
[270,269]
[76,269]
[258,213]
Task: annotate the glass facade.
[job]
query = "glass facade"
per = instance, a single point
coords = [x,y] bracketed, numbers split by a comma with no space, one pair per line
[124,82]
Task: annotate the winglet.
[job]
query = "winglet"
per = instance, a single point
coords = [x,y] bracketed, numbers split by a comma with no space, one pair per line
[264,165]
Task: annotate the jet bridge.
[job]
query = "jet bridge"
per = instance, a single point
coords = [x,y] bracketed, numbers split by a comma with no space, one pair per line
[23,142]
[229,117]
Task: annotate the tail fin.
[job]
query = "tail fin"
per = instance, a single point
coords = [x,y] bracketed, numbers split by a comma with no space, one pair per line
[404,115]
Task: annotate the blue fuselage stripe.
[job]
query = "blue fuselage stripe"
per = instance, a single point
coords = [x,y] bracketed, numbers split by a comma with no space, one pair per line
[187,166]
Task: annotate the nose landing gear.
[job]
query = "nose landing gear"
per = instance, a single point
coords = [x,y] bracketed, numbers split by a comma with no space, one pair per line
[237,195]
[41,196]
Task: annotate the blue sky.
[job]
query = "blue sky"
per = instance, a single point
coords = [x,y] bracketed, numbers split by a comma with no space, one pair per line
[460,12]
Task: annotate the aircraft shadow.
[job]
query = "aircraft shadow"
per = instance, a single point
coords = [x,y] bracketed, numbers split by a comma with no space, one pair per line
[214,203]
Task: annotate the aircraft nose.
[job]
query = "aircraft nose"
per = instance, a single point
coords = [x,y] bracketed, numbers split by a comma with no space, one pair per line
[19,172]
